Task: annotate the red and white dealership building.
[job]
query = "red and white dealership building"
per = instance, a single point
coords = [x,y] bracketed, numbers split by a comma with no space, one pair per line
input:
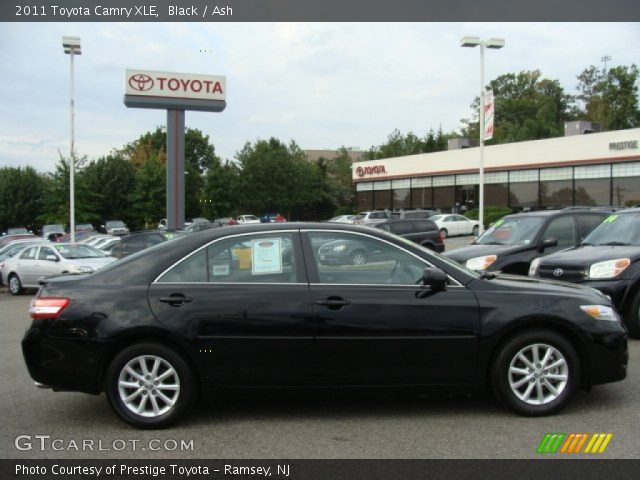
[577,169]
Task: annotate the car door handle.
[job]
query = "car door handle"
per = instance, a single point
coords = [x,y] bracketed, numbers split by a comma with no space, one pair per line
[176,300]
[333,303]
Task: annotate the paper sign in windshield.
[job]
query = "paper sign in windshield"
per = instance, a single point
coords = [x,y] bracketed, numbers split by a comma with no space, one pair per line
[266,256]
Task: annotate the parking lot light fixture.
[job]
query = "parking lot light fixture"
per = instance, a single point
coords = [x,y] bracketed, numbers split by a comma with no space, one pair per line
[71,46]
[495,44]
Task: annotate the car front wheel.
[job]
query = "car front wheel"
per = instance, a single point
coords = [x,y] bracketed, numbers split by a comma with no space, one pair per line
[150,386]
[15,285]
[536,373]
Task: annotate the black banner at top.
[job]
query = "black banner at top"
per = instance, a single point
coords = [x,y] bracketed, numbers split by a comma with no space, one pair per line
[317,10]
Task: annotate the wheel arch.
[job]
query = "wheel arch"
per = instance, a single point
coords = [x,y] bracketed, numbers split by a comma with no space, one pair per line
[553,324]
[147,336]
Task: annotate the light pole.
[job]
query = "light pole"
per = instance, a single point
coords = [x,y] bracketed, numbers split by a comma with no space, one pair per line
[71,46]
[495,43]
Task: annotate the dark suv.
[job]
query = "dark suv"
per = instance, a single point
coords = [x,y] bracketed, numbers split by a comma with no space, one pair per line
[608,260]
[423,232]
[514,241]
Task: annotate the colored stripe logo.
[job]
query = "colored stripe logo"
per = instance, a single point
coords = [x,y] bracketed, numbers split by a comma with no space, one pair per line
[572,443]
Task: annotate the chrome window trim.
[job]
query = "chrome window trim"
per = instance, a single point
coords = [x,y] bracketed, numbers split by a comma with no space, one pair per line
[455,284]
[308,230]
[268,232]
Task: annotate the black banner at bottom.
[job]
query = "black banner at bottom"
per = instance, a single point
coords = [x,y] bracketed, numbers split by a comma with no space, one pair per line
[581,469]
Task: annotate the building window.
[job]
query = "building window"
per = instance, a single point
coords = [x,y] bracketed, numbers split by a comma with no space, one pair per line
[444,198]
[382,199]
[496,195]
[422,197]
[555,193]
[364,201]
[523,188]
[467,197]
[626,191]
[593,191]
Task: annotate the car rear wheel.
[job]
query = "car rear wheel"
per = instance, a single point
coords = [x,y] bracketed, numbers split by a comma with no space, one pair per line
[15,285]
[536,373]
[150,385]
[444,233]
[632,318]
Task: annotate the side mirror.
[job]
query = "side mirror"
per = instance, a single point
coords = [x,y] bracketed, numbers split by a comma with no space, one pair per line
[435,278]
[52,258]
[547,243]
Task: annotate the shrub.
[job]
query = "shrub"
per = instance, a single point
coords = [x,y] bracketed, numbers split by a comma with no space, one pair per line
[491,214]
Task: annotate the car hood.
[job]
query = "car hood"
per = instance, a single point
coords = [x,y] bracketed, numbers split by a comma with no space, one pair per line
[588,255]
[550,288]
[463,254]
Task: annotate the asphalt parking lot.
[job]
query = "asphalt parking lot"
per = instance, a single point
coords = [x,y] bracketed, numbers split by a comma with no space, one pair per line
[330,427]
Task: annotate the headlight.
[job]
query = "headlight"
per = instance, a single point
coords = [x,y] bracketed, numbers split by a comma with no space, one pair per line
[339,248]
[481,263]
[601,312]
[533,268]
[609,269]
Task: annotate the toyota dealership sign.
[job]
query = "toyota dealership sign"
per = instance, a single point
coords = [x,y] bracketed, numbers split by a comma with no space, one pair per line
[188,91]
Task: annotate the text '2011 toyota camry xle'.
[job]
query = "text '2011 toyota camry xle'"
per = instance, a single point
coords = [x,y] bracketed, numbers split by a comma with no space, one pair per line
[266,307]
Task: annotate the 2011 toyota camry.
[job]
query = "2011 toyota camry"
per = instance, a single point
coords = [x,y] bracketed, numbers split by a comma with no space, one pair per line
[255,307]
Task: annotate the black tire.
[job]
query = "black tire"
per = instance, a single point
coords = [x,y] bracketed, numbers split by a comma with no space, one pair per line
[15,285]
[499,375]
[444,233]
[358,257]
[184,399]
[475,231]
[632,318]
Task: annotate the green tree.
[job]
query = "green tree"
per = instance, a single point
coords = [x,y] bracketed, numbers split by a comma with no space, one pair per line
[109,182]
[275,177]
[527,107]
[610,96]
[399,145]
[148,199]
[221,190]
[21,197]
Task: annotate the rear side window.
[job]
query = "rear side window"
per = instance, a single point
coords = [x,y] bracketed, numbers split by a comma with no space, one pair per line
[424,226]
[401,227]
[562,229]
[260,258]
[418,215]
[29,253]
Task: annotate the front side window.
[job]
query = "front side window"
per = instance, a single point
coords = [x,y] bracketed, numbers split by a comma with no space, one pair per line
[45,252]
[259,258]
[343,258]
[562,229]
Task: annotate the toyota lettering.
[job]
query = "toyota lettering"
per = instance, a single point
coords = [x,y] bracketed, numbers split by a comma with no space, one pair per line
[175,85]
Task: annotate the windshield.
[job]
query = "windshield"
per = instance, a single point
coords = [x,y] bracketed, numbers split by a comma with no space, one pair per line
[116,223]
[74,252]
[512,231]
[617,229]
[17,231]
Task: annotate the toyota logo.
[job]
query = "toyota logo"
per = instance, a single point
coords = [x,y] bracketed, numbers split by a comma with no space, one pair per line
[558,272]
[360,171]
[141,82]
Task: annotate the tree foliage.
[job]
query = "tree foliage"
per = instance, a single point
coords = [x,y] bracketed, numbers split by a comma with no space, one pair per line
[21,197]
[610,96]
[399,145]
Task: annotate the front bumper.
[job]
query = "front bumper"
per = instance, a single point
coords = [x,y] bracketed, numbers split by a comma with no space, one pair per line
[609,356]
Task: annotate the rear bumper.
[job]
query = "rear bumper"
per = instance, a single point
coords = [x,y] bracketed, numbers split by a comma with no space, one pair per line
[438,247]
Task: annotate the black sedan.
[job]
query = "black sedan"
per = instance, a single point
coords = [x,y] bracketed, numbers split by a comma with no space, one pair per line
[254,307]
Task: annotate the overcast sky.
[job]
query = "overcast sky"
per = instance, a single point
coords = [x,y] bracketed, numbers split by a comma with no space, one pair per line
[323,85]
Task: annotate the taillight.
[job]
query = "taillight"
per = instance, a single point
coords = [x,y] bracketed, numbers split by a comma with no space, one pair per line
[440,237]
[47,307]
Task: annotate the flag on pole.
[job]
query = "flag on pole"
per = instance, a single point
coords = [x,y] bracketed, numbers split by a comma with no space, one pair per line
[488,114]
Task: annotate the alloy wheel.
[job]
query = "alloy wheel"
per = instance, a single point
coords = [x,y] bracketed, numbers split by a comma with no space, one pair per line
[14,285]
[149,386]
[538,374]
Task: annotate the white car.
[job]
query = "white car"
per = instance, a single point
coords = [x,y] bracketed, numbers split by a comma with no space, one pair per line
[246,219]
[453,224]
[343,219]
[34,263]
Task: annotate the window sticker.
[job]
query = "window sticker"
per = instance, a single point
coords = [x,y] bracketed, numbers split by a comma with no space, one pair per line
[220,270]
[498,223]
[610,219]
[266,256]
